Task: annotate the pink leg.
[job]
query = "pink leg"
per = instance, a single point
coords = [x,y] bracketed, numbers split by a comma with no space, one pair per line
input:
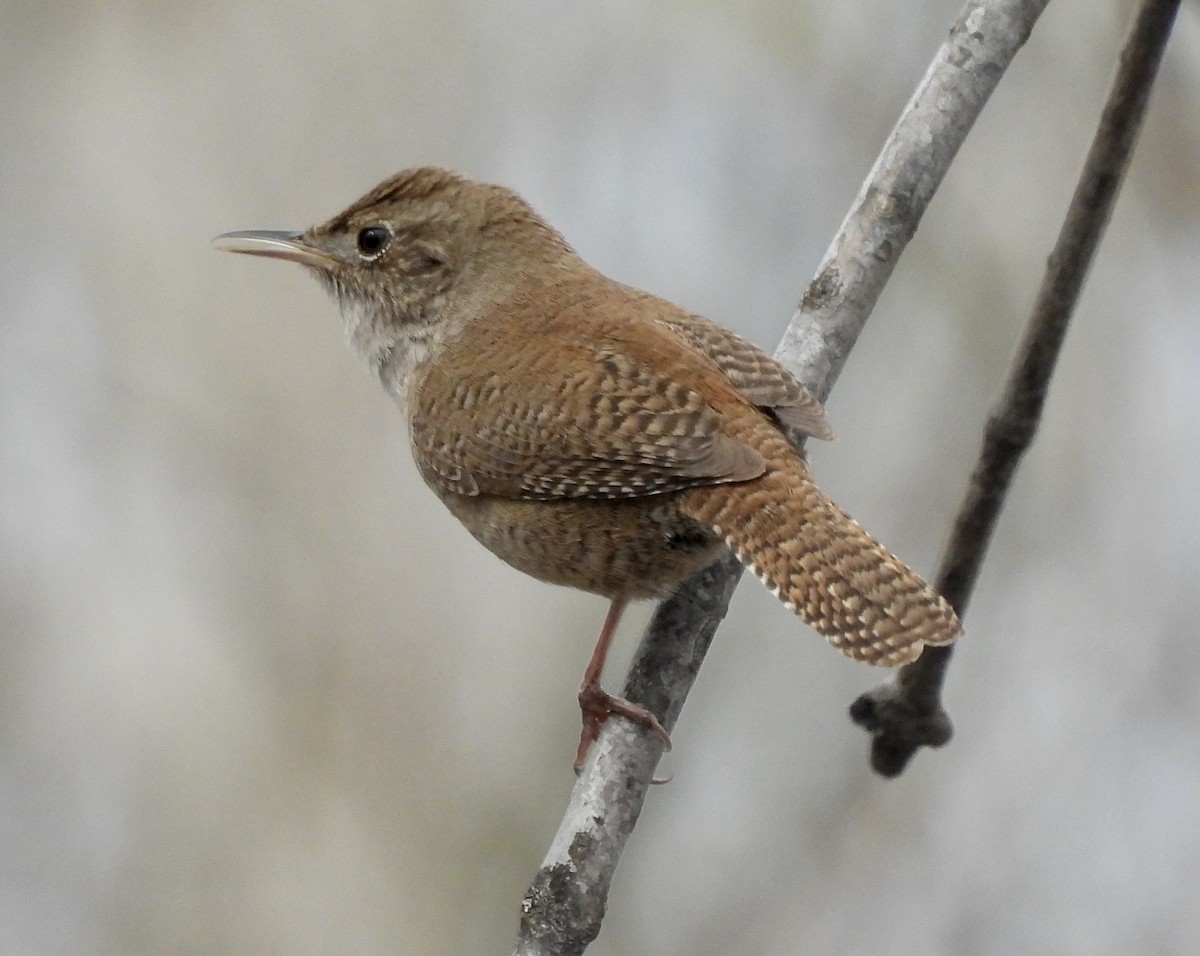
[597,704]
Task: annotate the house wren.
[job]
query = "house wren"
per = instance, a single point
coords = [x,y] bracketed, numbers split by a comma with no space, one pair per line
[591,434]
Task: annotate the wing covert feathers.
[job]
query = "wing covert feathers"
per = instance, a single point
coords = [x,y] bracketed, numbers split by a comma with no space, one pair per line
[615,427]
[754,373]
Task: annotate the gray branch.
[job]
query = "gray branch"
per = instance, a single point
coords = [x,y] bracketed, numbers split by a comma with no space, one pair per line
[564,906]
[905,713]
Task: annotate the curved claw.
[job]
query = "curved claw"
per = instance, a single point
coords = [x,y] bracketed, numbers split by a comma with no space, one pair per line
[597,704]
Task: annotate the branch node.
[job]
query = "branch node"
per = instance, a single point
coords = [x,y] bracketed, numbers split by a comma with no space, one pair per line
[824,288]
[899,726]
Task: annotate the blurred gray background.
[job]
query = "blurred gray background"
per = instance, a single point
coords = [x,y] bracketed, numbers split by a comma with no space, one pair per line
[261,694]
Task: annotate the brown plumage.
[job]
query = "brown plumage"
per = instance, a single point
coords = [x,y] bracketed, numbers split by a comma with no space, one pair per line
[591,434]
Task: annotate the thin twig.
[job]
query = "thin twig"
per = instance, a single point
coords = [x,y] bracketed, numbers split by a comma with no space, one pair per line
[562,911]
[904,714]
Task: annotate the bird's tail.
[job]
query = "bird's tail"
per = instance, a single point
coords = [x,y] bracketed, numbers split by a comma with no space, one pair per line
[821,563]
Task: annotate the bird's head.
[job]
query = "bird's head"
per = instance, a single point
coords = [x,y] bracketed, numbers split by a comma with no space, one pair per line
[415,258]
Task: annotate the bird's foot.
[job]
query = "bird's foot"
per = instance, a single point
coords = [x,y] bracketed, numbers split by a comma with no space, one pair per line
[597,704]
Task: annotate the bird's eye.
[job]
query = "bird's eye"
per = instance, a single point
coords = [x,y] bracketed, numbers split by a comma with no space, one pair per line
[373,240]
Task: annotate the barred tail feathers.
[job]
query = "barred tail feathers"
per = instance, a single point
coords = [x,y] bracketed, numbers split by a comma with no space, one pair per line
[821,563]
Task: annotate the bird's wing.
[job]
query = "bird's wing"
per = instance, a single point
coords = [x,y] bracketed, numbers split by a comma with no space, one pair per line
[752,371]
[611,414]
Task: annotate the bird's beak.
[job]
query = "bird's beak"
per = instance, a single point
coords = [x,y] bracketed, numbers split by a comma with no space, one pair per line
[275,245]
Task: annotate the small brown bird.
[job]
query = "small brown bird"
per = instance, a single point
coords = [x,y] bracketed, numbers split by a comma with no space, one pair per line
[588,433]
